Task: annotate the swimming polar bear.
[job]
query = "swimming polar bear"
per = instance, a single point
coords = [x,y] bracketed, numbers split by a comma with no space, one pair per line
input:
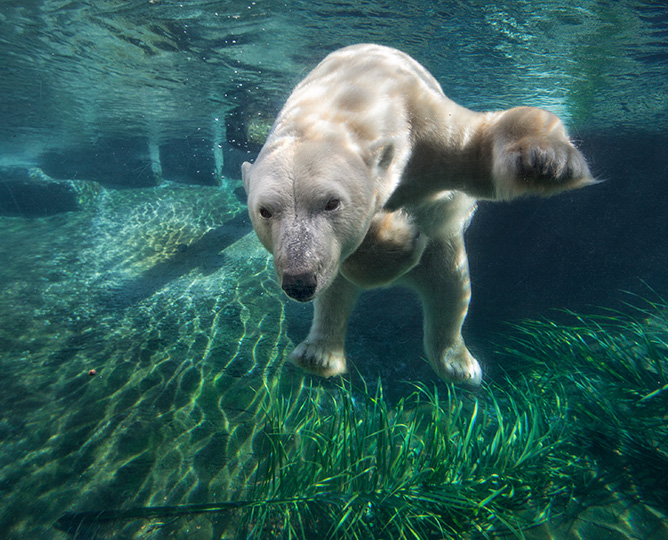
[370,176]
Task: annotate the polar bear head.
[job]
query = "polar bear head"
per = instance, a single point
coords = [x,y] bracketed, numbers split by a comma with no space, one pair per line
[311,203]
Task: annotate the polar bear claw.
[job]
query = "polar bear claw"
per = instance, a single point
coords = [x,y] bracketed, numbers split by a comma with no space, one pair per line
[318,358]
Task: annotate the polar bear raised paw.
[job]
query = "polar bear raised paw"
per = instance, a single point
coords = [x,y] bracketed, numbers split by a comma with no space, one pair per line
[533,154]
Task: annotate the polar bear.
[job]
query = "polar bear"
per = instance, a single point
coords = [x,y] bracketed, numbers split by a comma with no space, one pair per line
[370,176]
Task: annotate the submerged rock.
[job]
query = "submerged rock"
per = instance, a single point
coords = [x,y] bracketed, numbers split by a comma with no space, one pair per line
[190,160]
[31,192]
[112,160]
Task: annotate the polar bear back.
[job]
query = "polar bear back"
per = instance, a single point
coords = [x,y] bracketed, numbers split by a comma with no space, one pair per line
[374,94]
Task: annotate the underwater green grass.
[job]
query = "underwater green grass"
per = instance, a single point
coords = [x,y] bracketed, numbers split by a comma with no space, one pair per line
[584,415]
[615,370]
[589,408]
[346,465]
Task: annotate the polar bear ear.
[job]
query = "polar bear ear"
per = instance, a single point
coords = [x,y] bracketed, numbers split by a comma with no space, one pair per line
[245,174]
[382,154]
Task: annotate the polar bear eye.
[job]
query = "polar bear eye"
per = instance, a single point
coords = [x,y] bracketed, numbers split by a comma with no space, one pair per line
[332,204]
[266,214]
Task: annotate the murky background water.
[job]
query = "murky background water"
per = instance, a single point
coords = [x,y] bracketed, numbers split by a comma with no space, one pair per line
[142,266]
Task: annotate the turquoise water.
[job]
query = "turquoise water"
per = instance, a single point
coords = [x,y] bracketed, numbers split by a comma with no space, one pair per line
[150,274]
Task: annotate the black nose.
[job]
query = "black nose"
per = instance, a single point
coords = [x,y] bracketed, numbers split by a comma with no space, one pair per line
[300,286]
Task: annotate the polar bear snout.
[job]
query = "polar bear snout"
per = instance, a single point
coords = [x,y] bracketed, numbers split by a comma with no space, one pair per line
[301,286]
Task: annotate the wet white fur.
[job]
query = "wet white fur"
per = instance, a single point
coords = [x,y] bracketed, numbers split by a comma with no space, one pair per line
[370,128]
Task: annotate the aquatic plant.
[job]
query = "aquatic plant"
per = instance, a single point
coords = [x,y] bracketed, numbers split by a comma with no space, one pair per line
[344,463]
[347,465]
[615,370]
[586,407]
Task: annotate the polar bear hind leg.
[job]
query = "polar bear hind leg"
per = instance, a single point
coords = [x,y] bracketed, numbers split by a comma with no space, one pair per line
[442,281]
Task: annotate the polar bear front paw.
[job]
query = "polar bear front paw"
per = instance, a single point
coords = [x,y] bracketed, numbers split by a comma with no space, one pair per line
[546,166]
[458,365]
[533,154]
[318,358]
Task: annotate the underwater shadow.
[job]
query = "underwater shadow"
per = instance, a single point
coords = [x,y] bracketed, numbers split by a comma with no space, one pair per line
[203,255]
